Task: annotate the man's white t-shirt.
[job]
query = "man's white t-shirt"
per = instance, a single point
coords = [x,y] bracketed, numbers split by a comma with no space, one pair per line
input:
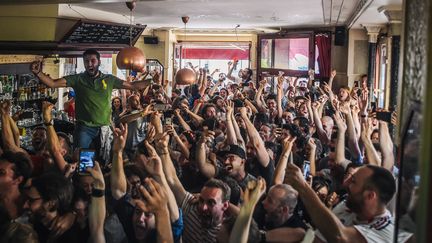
[378,230]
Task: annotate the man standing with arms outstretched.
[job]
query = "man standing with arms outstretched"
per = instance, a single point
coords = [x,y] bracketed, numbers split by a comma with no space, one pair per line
[93,96]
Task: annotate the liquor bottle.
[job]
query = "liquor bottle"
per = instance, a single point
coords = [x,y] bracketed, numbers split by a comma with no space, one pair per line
[1,86]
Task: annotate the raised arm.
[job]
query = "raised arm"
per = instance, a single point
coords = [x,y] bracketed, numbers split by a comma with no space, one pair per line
[252,194]
[155,201]
[258,95]
[230,131]
[371,153]
[386,144]
[52,138]
[352,136]
[162,148]
[153,165]
[322,134]
[327,223]
[279,174]
[36,68]
[205,167]
[198,119]
[118,178]
[230,70]
[183,149]
[132,117]
[97,207]
[312,156]
[6,131]
[332,76]
[340,143]
[279,96]
[182,122]
[255,139]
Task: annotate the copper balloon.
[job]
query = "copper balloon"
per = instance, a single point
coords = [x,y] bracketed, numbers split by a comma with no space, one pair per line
[185,76]
[131,5]
[185,19]
[131,58]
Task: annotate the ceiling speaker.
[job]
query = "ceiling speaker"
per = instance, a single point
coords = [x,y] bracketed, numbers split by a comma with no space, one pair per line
[151,40]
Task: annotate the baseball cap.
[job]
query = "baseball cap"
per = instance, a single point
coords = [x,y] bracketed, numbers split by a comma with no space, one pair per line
[233,149]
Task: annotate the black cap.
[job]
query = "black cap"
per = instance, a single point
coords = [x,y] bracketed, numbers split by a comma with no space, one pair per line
[233,149]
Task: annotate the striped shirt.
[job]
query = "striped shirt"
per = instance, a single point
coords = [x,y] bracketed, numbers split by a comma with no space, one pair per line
[194,231]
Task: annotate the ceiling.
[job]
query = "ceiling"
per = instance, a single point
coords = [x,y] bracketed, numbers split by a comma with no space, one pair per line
[249,14]
[226,14]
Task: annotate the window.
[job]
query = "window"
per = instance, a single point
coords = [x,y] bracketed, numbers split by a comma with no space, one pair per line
[213,55]
[293,53]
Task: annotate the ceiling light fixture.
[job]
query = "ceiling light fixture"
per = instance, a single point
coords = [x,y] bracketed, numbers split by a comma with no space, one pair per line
[131,58]
[185,76]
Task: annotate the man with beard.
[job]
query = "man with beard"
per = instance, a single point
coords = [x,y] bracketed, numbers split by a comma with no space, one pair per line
[93,96]
[363,217]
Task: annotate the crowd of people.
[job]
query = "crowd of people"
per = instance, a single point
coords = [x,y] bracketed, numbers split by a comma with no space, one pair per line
[216,161]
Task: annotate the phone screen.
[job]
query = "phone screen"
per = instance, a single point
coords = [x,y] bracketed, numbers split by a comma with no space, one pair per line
[384,116]
[306,169]
[86,160]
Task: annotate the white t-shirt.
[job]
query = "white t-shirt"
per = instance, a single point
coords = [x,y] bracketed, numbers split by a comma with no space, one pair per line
[379,230]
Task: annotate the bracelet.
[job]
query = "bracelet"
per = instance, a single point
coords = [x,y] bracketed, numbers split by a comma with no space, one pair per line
[98,192]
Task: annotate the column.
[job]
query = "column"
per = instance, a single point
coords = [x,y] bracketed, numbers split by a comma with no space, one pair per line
[372,32]
[394,17]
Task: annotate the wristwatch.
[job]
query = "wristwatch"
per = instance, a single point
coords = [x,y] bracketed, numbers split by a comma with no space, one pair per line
[50,123]
[263,235]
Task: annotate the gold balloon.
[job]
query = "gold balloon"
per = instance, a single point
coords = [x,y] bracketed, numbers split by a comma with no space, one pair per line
[131,58]
[185,76]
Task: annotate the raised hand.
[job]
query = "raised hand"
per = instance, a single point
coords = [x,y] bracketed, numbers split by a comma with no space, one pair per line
[147,110]
[263,83]
[345,108]
[154,198]
[288,143]
[36,67]
[207,135]
[340,123]
[333,73]
[229,109]
[244,112]
[5,107]
[162,140]
[294,176]
[311,144]
[120,135]
[96,173]
[151,133]
[363,102]
[153,165]
[253,192]
[46,111]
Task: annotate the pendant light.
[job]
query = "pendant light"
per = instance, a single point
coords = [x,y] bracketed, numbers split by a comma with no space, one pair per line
[130,57]
[185,76]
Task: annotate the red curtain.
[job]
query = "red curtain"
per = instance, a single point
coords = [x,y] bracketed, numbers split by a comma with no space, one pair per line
[323,42]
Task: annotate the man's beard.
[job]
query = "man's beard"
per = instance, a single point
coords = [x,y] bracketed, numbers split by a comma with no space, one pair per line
[355,204]
[271,220]
[93,72]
